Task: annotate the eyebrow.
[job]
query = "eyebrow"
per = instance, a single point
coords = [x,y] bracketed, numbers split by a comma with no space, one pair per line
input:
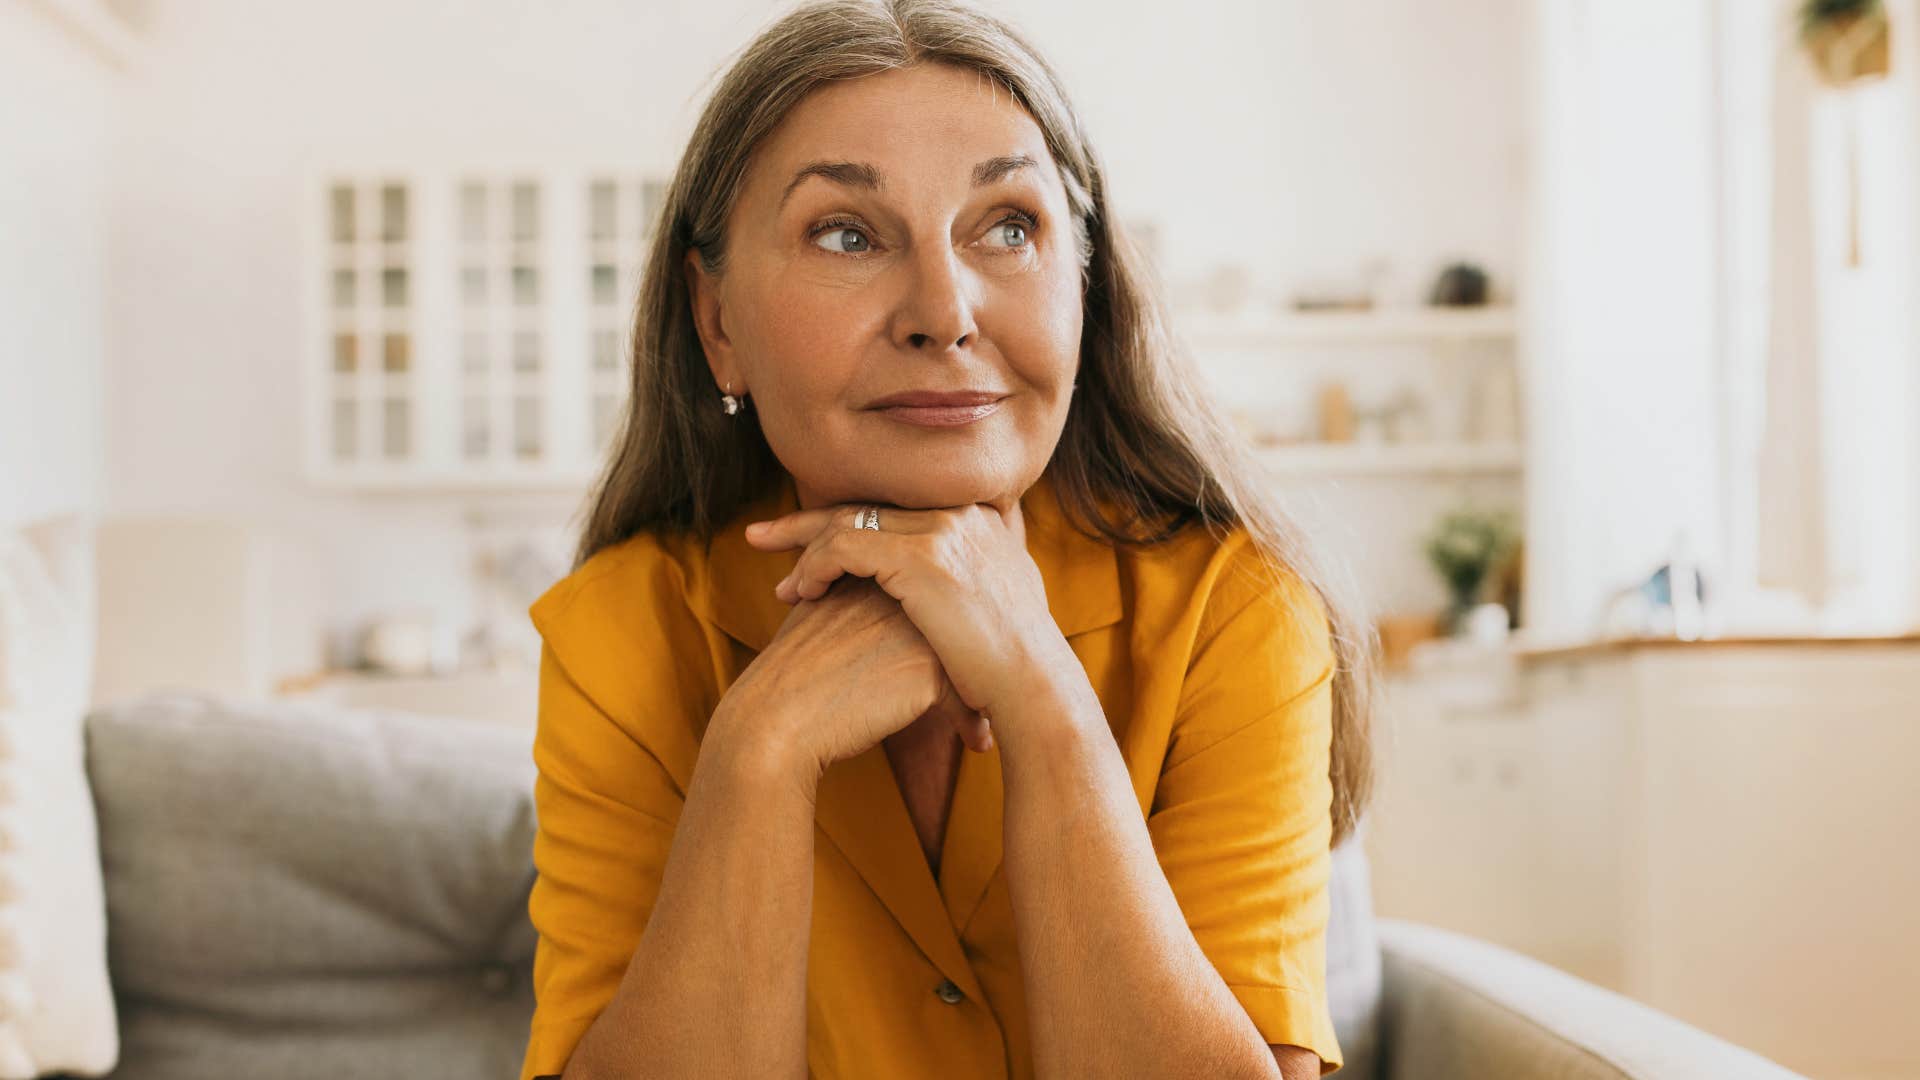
[861,175]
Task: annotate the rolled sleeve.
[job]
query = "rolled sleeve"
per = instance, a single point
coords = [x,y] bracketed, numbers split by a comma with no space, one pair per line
[1242,815]
[606,811]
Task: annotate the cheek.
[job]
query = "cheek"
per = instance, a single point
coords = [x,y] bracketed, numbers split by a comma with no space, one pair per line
[805,345]
[1036,322]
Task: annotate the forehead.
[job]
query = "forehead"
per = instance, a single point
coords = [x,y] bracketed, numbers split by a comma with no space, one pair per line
[928,119]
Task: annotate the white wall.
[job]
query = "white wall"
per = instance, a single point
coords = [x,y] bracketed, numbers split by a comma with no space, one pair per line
[1303,137]
[1300,138]
[56,105]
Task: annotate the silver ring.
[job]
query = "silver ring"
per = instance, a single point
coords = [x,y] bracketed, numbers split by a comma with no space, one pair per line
[867,518]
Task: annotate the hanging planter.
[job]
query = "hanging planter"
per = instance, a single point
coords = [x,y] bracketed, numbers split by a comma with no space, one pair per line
[1847,39]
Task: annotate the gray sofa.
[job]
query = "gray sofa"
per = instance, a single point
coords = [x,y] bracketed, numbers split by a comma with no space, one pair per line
[301,890]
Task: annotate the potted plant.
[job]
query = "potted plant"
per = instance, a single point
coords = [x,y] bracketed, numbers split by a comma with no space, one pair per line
[1466,547]
[1847,39]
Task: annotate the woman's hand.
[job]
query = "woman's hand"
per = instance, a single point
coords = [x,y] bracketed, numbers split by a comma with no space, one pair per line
[842,673]
[961,574]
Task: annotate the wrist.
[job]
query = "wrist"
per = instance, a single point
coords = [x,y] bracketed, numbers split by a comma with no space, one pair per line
[760,751]
[1051,697]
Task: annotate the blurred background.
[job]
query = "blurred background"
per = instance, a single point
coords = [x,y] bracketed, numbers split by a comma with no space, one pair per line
[1581,331]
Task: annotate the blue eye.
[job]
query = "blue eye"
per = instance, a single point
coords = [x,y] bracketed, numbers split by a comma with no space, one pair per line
[1020,222]
[834,228]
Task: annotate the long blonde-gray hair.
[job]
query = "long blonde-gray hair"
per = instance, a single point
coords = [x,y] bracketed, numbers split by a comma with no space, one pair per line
[1142,434]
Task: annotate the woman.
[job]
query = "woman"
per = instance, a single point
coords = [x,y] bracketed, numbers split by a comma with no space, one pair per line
[919,532]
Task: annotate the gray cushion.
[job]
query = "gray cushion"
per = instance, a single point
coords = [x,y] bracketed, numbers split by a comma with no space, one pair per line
[300,890]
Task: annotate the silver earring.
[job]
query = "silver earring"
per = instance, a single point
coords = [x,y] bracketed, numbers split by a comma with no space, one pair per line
[728,402]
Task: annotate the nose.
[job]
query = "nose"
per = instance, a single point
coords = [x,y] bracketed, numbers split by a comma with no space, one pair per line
[937,311]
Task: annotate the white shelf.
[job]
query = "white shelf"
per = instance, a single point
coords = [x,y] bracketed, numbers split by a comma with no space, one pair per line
[373,480]
[96,25]
[1371,459]
[1380,326]
[508,696]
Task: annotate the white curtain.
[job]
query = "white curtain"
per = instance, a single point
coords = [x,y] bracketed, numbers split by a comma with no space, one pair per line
[1792,541]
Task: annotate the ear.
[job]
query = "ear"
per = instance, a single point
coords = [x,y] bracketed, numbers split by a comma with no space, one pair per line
[703,295]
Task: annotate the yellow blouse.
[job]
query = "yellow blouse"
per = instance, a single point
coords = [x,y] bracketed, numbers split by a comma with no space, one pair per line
[1220,705]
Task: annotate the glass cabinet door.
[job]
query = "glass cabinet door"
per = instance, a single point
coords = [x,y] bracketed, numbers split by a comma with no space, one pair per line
[501,271]
[372,326]
[621,227]
[475,326]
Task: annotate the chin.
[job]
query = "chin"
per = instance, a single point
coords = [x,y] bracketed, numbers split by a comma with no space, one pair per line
[933,485]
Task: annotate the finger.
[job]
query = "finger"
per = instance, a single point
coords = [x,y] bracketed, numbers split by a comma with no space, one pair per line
[860,552]
[809,579]
[794,529]
[974,730]
[802,526]
[976,733]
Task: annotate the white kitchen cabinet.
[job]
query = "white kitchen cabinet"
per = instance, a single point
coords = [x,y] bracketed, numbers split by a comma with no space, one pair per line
[471,329]
[1725,831]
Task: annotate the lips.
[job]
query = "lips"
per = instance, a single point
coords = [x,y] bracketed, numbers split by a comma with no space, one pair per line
[946,410]
[938,399]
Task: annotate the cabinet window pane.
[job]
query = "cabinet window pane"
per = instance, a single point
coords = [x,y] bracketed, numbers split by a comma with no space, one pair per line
[395,424]
[473,353]
[393,287]
[605,288]
[526,285]
[526,426]
[653,197]
[526,351]
[474,427]
[346,423]
[343,288]
[473,285]
[345,352]
[526,223]
[393,213]
[602,215]
[473,213]
[342,214]
[396,352]
[606,350]
[603,406]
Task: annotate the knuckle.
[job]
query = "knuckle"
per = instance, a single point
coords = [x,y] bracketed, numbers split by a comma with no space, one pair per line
[944,554]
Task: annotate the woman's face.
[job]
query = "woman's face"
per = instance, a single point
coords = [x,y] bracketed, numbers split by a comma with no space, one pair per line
[897,233]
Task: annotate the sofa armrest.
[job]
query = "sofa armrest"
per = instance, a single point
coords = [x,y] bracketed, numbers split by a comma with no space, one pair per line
[1454,1006]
